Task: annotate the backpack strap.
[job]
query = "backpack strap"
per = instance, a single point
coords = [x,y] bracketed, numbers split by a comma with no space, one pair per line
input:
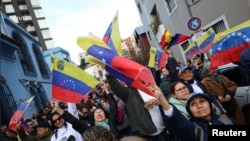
[225,121]
[199,135]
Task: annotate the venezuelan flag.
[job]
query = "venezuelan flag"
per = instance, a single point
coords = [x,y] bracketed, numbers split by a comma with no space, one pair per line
[229,44]
[205,43]
[70,83]
[128,71]
[112,36]
[178,38]
[19,113]
[191,50]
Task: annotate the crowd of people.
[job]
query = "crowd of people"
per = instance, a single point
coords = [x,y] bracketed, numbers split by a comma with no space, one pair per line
[187,98]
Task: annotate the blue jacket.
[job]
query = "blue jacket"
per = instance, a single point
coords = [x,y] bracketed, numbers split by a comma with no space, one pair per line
[184,129]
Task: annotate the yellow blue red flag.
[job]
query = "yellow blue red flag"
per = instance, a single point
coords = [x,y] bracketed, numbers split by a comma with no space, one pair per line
[69,82]
[191,50]
[229,44]
[19,113]
[205,43]
[112,36]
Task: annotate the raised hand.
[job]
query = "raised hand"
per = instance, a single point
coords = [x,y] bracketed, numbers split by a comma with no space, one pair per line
[56,107]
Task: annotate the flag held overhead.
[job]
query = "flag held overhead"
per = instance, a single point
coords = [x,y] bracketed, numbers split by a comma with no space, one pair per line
[191,50]
[70,83]
[19,113]
[205,43]
[229,44]
[112,36]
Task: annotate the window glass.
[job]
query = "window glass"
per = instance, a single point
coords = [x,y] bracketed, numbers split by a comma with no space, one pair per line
[9,9]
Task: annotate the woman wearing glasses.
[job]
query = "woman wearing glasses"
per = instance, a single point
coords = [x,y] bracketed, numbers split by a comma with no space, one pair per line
[179,95]
[63,130]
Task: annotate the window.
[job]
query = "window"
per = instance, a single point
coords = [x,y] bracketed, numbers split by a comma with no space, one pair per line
[9,9]
[26,18]
[35,3]
[30,28]
[46,34]
[24,55]
[43,97]
[219,26]
[14,18]
[49,44]
[155,22]
[41,63]
[39,13]
[23,7]
[7,102]
[42,24]
[171,5]
[185,45]
[6,1]
[40,99]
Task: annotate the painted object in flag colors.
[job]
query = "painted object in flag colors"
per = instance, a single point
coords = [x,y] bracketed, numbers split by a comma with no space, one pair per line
[191,50]
[229,44]
[112,36]
[128,71]
[18,115]
[205,43]
[69,82]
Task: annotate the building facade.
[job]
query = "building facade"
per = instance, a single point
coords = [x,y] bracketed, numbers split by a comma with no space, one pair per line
[23,71]
[159,15]
[29,15]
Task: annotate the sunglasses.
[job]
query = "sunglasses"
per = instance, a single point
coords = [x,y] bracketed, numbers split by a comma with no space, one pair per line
[58,119]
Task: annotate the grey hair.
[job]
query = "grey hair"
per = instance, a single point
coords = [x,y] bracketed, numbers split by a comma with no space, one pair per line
[205,69]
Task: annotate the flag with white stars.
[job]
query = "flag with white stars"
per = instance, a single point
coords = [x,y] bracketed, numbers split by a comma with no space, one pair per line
[69,82]
[229,44]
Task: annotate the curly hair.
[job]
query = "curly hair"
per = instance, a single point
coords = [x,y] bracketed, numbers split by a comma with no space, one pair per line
[98,133]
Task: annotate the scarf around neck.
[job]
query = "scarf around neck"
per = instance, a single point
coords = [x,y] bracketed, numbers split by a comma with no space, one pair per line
[103,124]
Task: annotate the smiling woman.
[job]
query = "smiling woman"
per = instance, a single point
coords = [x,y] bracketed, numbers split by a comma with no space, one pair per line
[65,18]
[62,129]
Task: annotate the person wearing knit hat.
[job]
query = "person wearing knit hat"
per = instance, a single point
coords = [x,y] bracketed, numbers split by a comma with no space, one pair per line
[200,108]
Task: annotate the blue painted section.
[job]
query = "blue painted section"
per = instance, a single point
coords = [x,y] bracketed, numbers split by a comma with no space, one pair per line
[11,68]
